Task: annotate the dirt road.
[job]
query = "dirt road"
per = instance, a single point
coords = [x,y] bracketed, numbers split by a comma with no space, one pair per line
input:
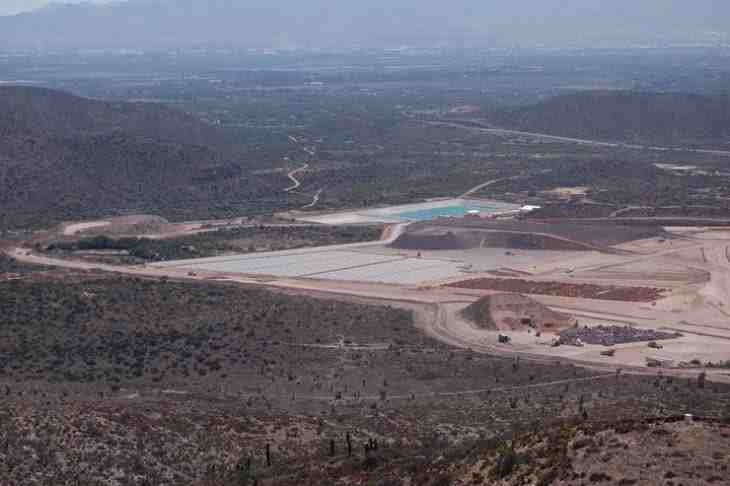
[480,187]
[315,200]
[295,182]
[73,228]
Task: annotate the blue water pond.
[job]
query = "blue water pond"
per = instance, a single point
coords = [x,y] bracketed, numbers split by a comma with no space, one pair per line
[458,209]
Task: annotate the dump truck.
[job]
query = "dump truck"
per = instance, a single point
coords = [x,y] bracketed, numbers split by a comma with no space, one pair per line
[504,339]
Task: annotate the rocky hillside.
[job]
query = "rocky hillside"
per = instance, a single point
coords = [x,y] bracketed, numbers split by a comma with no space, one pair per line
[653,452]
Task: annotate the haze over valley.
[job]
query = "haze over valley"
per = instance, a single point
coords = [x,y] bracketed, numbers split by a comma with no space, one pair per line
[331,24]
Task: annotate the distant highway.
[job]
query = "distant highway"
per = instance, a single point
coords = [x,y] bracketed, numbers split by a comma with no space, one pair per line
[580,141]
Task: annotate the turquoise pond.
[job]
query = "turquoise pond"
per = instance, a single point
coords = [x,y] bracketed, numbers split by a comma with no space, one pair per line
[455,210]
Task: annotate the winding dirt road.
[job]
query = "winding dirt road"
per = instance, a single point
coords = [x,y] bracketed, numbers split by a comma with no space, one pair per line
[315,200]
[295,182]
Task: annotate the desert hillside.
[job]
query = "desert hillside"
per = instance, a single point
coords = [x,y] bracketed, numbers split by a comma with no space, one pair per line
[67,157]
[671,119]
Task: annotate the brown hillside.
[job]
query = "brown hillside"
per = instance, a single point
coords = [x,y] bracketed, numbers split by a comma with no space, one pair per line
[650,453]
[444,241]
[63,157]
[514,312]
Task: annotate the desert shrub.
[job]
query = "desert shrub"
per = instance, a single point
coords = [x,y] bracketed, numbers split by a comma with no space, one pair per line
[442,480]
[390,482]
[599,477]
[507,461]
[546,478]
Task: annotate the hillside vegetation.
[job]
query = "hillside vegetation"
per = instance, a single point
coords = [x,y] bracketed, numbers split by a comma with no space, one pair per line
[627,452]
[237,240]
[57,114]
[63,157]
[108,380]
[671,119]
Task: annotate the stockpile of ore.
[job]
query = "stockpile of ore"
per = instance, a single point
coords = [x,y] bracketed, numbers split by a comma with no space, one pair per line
[611,335]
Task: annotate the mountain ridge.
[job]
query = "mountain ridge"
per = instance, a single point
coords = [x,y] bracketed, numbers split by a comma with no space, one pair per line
[65,157]
[670,119]
[60,114]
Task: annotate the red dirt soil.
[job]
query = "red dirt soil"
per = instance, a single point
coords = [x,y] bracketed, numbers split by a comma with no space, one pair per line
[562,289]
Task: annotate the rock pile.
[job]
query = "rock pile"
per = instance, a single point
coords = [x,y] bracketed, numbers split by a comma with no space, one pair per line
[611,335]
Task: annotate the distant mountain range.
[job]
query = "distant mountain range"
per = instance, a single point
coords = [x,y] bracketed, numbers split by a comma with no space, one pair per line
[375,23]
[670,119]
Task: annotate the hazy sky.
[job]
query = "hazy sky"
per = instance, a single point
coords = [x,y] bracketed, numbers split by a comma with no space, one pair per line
[370,22]
[11,7]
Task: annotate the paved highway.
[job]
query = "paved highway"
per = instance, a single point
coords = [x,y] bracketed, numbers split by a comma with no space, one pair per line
[595,143]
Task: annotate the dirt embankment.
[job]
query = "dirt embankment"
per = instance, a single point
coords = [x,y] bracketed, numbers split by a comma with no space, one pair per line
[562,289]
[678,212]
[443,241]
[122,225]
[594,233]
[465,233]
[514,312]
[464,240]
[529,241]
